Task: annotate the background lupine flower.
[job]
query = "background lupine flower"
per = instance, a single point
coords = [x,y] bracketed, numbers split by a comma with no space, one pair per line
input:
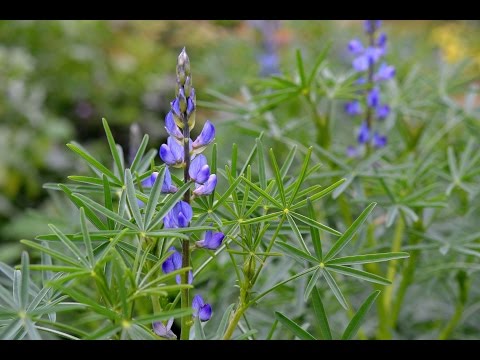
[179,217]
[199,170]
[212,240]
[200,309]
[366,58]
[164,330]
[207,188]
[268,58]
[174,262]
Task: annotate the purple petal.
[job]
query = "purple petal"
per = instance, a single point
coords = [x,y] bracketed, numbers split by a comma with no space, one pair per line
[176,107]
[203,174]
[383,111]
[167,181]
[352,151]
[385,72]
[159,329]
[185,209]
[196,165]
[355,47]
[382,40]
[176,149]
[190,105]
[208,187]
[360,63]
[140,203]
[178,279]
[167,222]
[205,312]
[172,128]
[197,304]
[363,133]
[372,25]
[353,108]
[176,260]
[373,97]
[215,241]
[373,54]
[379,141]
[190,277]
[166,155]
[182,220]
[206,136]
[150,181]
[169,324]
[167,266]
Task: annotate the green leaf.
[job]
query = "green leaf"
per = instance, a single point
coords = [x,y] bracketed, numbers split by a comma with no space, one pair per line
[113,147]
[223,323]
[86,238]
[262,177]
[300,68]
[103,210]
[88,212]
[263,193]
[227,193]
[317,244]
[318,195]
[278,177]
[24,295]
[108,200]
[56,254]
[311,284]
[297,233]
[360,274]
[318,62]
[199,334]
[301,177]
[348,234]
[357,320]
[288,161]
[31,330]
[93,162]
[139,154]
[154,196]
[293,327]
[132,200]
[321,315]
[311,222]
[335,289]
[296,253]
[368,258]
[69,244]
[168,205]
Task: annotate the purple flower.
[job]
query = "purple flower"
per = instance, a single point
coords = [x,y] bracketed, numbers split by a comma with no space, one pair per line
[352,151]
[150,181]
[179,217]
[172,128]
[385,72]
[206,137]
[199,170]
[382,40]
[379,141]
[372,25]
[269,63]
[355,47]
[172,153]
[369,57]
[164,330]
[353,108]
[174,262]
[200,309]
[360,63]
[383,111]
[207,188]
[363,133]
[212,240]
[373,97]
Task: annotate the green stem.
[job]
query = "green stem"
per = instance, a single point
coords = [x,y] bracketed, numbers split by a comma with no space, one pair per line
[452,324]
[407,274]
[234,321]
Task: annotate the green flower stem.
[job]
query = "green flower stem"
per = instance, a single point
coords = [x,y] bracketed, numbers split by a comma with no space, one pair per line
[235,319]
[452,324]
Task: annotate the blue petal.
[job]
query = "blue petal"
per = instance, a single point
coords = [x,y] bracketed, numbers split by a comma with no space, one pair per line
[352,151]
[353,108]
[205,312]
[167,181]
[196,165]
[166,155]
[215,241]
[178,279]
[150,181]
[206,136]
[355,47]
[385,72]
[172,128]
[176,107]
[373,97]
[203,174]
[373,54]
[176,260]
[190,277]
[208,187]
[167,266]
[197,304]
[379,141]
[382,40]
[383,111]
[363,133]
[176,149]
[185,209]
[360,63]
[159,329]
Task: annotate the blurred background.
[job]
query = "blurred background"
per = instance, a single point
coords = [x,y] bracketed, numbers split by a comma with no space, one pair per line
[59,78]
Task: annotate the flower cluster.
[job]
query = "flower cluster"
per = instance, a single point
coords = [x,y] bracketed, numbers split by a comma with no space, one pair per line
[368,61]
[181,151]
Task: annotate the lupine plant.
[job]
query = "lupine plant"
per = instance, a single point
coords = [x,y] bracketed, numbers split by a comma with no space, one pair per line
[118,268]
[425,181]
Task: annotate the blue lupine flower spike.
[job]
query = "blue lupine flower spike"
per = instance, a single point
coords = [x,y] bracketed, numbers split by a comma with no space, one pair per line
[200,309]
[212,240]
